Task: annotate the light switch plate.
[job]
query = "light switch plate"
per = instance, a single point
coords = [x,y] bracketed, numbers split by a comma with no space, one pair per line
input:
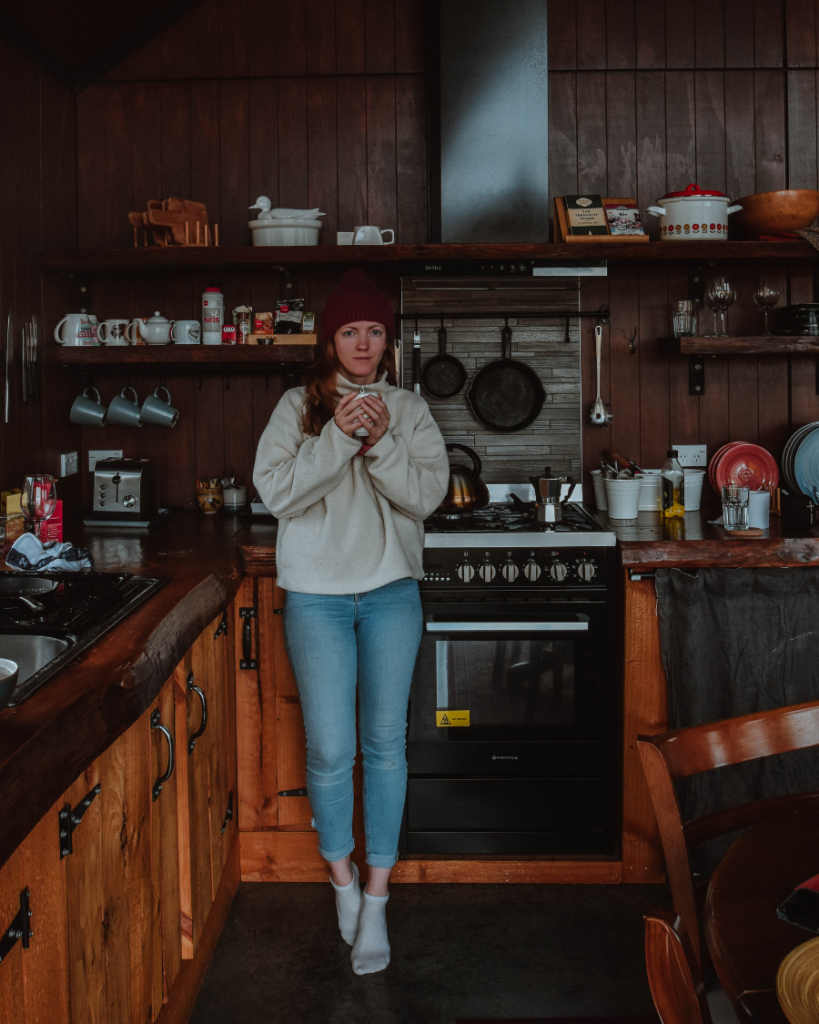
[95,456]
[69,464]
[692,455]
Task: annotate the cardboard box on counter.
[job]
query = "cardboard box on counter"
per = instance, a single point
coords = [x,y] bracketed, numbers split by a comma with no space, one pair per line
[10,502]
[52,528]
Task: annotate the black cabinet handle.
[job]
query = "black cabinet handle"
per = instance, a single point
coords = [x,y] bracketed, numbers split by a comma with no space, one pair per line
[248,661]
[160,782]
[204,722]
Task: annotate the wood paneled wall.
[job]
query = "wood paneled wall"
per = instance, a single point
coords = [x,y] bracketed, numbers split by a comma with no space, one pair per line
[311,103]
[645,97]
[37,208]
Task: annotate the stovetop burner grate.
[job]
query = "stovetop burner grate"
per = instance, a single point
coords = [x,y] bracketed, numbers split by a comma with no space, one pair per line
[501,517]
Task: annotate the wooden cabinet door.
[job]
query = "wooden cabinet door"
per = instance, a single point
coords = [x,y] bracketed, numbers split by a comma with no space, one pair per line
[206,727]
[34,981]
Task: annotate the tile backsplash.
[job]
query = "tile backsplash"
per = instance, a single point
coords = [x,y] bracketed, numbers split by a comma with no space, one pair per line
[554,438]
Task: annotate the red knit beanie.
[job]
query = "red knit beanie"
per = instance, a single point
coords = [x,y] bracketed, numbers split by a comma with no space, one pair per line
[357,297]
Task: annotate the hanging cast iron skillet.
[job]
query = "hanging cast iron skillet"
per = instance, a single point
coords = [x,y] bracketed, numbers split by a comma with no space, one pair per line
[506,395]
[443,376]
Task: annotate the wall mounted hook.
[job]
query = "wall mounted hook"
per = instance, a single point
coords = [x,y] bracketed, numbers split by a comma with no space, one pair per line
[632,342]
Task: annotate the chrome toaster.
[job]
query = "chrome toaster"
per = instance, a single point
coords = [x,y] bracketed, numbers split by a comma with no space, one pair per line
[125,489]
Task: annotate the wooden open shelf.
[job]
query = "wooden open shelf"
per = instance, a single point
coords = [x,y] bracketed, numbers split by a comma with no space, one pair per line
[193,357]
[754,345]
[164,258]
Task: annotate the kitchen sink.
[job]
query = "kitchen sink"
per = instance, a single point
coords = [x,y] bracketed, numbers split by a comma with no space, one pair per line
[33,652]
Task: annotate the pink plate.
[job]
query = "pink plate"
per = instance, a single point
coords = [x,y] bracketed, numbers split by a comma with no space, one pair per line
[715,460]
[749,466]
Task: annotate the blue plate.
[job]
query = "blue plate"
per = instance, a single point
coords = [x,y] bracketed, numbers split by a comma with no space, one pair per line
[806,465]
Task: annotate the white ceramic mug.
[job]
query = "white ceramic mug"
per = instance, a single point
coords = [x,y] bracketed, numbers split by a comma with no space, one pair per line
[79,329]
[132,334]
[112,332]
[186,332]
[368,234]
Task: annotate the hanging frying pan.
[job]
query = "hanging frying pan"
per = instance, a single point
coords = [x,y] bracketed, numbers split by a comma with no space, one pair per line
[443,376]
[506,395]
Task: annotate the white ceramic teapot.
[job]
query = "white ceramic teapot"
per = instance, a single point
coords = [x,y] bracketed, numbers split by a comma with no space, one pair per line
[156,330]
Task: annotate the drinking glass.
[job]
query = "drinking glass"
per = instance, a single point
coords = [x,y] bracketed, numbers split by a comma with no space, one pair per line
[725,296]
[712,301]
[39,499]
[766,296]
[684,317]
[735,500]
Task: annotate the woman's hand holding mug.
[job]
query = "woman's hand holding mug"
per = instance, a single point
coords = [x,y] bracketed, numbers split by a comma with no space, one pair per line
[371,412]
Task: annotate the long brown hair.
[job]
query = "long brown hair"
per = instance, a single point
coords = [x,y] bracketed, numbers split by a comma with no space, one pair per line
[321,393]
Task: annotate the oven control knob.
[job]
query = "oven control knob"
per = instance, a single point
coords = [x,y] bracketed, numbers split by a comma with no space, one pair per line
[558,571]
[487,572]
[510,572]
[465,572]
[129,501]
[532,571]
[586,571]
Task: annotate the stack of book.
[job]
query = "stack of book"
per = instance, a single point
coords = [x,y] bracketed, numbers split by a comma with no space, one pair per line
[590,218]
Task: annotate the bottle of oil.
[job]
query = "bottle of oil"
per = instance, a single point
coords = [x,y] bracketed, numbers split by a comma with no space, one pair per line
[673,487]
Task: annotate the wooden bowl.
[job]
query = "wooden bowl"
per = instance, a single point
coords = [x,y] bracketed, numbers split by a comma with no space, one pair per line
[774,213]
[797,984]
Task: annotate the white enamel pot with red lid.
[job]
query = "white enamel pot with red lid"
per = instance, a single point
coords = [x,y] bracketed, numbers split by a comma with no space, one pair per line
[693,213]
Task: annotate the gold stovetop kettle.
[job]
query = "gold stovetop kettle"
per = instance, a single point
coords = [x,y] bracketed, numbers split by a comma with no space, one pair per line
[466,491]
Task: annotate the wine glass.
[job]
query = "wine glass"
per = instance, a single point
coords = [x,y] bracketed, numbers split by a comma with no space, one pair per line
[766,296]
[39,499]
[719,296]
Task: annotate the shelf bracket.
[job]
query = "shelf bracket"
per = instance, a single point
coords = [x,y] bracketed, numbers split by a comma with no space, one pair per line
[69,820]
[20,928]
[696,376]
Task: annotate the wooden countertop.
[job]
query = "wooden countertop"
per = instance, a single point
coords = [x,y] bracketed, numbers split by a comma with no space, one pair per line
[46,742]
[651,542]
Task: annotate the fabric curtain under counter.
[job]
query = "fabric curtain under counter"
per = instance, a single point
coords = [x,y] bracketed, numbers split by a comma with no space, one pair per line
[736,641]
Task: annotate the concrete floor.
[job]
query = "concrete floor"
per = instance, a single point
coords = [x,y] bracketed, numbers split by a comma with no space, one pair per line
[457,951]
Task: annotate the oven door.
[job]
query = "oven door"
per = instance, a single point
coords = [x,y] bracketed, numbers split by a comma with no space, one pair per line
[513,689]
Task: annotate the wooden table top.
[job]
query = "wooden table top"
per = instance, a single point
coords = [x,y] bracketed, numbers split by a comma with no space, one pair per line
[746,939]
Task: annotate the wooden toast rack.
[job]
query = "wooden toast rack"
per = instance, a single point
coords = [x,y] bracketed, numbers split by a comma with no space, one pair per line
[174,221]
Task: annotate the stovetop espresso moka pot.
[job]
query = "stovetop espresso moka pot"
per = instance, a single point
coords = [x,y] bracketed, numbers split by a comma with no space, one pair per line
[548,488]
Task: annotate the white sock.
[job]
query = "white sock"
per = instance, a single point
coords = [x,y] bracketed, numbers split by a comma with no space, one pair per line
[371,951]
[348,905]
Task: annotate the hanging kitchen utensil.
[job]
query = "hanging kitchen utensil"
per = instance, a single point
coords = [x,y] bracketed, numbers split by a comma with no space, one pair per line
[466,491]
[443,376]
[506,395]
[416,361]
[600,414]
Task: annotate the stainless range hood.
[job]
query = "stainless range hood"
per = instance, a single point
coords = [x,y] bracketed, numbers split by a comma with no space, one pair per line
[494,121]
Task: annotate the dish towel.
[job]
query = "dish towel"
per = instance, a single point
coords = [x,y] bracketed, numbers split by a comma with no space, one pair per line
[29,554]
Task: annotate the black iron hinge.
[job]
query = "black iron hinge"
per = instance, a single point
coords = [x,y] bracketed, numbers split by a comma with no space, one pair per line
[20,928]
[224,627]
[247,662]
[293,792]
[68,821]
[228,812]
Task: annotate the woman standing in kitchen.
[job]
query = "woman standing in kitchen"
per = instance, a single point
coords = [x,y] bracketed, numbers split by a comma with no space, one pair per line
[348,553]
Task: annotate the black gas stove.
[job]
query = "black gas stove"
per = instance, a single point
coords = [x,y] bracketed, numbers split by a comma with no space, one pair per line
[512,744]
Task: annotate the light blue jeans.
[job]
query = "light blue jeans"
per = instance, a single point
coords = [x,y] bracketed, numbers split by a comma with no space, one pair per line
[335,643]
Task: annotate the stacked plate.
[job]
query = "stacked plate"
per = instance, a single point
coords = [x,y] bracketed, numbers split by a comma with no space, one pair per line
[800,461]
[747,465]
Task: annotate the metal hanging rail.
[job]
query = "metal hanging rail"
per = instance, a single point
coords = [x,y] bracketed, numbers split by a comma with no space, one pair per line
[601,315]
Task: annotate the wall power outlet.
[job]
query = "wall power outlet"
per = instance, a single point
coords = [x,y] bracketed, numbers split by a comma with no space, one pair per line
[69,464]
[692,455]
[95,456]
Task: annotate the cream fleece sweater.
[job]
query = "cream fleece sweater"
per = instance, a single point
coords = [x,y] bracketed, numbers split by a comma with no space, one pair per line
[350,523]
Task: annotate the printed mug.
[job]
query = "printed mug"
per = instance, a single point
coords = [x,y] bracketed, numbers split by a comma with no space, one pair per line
[186,332]
[80,329]
[112,332]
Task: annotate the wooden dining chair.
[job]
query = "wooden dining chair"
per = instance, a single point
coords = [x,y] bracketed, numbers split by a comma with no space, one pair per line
[673,972]
[683,752]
